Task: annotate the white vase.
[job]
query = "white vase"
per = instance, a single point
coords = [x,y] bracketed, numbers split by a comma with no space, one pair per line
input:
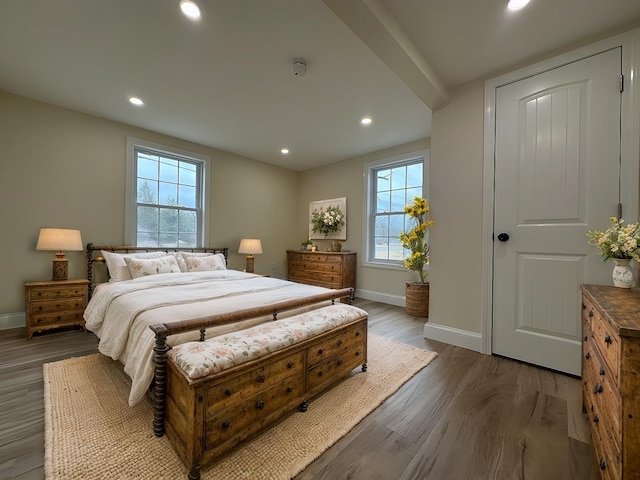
[622,273]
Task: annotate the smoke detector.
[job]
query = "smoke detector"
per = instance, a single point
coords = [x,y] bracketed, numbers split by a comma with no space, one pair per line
[299,67]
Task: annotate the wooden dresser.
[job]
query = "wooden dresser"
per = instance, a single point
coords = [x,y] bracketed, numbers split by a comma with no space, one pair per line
[55,304]
[324,269]
[611,377]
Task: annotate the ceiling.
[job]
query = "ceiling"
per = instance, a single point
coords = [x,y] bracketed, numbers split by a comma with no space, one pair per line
[225,81]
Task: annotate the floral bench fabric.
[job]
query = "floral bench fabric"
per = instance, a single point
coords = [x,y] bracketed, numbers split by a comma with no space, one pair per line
[199,359]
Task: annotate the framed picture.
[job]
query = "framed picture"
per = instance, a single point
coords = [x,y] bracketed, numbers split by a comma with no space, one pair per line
[340,203]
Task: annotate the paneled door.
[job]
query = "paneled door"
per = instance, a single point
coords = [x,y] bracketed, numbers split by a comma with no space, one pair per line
[557,164]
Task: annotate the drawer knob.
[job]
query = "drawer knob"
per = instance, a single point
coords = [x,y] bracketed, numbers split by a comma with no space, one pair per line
[228,391]
[585,338]
[290,365]
[261,379]
[596,419]
[607,338]
[597,388]
[289,389]
[587,355]
[601,372]
[339,342]
[357,334]
[591,313]
[320,373]
[358,353]
[226,424]
[260,405]
[57,305]
[584,306]
[320,351]
[340,362]
[603,464]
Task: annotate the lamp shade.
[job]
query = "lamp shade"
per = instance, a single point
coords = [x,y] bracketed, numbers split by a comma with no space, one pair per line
[250,246]
[59,239]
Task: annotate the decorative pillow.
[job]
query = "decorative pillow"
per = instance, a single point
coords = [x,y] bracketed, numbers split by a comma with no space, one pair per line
[117,267]
[222,263]
[205,264]
[182,256]
[140,267]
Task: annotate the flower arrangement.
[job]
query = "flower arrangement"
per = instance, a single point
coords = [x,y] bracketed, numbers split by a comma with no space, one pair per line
[416,240]
[327,221]
[617,241]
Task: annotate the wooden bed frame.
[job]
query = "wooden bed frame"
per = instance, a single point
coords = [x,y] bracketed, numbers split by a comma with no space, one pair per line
[171,390]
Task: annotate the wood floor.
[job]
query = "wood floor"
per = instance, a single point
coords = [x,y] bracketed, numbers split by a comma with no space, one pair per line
[466,416]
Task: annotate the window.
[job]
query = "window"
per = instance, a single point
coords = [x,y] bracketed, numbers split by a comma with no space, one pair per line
[392,184]
[165,196]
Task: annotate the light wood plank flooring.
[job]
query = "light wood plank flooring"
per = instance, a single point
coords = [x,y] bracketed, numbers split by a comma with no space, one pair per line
[466,416]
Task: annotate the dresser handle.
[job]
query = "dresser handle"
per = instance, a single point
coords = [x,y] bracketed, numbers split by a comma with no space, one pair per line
[596,419]
[597,389]
[289,389]
[320,373]
[339,342]
[357,334]
[358,353]
[590,313]
[584,306]
[320,351]
[587,356]
[290,365]
[601,372]
[603,464]
[607,338]
[340,362]
[261,379]
[260,405]
[226,424]
[228,391]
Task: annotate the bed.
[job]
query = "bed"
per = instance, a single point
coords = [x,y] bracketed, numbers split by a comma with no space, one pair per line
[151,301]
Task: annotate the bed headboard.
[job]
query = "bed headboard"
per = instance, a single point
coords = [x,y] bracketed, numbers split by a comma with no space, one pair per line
[94,254]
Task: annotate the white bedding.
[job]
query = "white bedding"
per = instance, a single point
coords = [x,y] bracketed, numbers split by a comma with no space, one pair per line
[120,313]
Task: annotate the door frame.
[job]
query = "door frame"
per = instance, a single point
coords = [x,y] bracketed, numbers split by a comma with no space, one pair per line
[630,148]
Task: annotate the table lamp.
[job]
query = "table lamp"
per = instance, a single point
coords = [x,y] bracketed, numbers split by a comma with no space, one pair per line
[250,246]
[57,240]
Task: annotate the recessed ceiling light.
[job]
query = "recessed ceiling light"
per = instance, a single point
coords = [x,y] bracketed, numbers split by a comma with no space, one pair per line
[284,151]
[136,101]
[517,4]
[366,121]
[190,9]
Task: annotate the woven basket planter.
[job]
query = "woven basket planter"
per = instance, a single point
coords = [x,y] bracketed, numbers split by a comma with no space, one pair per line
[417,299]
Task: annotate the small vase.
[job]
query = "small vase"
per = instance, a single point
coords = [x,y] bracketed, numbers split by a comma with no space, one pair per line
[337,246]
[622,273]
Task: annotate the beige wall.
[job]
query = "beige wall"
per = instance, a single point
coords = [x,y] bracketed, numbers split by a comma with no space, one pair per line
[345,179]
[60,168]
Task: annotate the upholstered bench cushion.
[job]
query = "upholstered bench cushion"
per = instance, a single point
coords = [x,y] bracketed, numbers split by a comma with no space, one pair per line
[199,359]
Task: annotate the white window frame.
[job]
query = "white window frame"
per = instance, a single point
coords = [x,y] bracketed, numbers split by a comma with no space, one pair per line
[369,203]
[130,217]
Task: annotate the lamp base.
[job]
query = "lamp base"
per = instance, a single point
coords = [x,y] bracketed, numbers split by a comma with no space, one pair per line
[250,263]
[60,268]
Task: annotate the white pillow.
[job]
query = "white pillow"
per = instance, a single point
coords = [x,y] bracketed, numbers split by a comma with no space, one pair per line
[205,264]
[118,269]
[222,261]
[140,267]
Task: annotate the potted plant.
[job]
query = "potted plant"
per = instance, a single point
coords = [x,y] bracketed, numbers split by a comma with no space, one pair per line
[328,221]
[416,241]
[306,245]
[620,243]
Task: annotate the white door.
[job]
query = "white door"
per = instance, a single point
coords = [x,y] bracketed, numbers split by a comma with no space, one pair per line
[557,151]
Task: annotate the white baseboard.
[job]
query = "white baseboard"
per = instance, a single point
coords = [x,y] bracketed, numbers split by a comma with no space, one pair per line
[453,336]
[396,300]
[12,320]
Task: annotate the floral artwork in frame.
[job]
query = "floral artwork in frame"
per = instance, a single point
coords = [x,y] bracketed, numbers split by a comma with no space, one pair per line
[334,205]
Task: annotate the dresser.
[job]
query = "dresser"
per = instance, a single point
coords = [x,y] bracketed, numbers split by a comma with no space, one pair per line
[55,304]
[324,269]
[611,377]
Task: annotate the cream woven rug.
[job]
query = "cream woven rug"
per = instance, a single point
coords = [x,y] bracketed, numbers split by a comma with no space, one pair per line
[91,433]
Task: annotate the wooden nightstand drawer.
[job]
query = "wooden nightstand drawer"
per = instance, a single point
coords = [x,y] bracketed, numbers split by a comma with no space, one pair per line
[55,304]
[324,269]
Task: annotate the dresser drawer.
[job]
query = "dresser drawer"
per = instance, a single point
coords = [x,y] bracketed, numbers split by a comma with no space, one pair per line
[314,258]
[47,293]
[305,276]
[607,343]
[329,369]
[236,389]
[61,318]
[327,267]
[336,344]
[59,305]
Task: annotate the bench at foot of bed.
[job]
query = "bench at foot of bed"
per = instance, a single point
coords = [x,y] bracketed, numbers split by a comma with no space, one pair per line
[225,389]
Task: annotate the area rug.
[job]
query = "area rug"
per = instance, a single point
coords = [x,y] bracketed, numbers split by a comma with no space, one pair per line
[91,432]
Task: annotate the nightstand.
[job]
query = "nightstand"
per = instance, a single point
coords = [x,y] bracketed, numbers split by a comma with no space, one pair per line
[55,304]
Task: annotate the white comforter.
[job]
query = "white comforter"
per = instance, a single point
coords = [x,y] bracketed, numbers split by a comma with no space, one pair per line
[120,313]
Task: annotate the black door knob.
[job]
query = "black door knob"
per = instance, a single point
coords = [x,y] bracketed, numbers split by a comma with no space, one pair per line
[503,237]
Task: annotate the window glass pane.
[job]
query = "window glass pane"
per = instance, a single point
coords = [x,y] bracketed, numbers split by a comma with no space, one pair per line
[168,220]
[414,175]
[147,167]
[397,201]
[147,219]
[396,225]
[188,174]
[147,191]
[188,222]
[381,248]
[383,202]
[413,193]
[169,240]
[398,177]
[187,196]
[169,170]
[187,240]
[147,239]
[168,194]
[383,180]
